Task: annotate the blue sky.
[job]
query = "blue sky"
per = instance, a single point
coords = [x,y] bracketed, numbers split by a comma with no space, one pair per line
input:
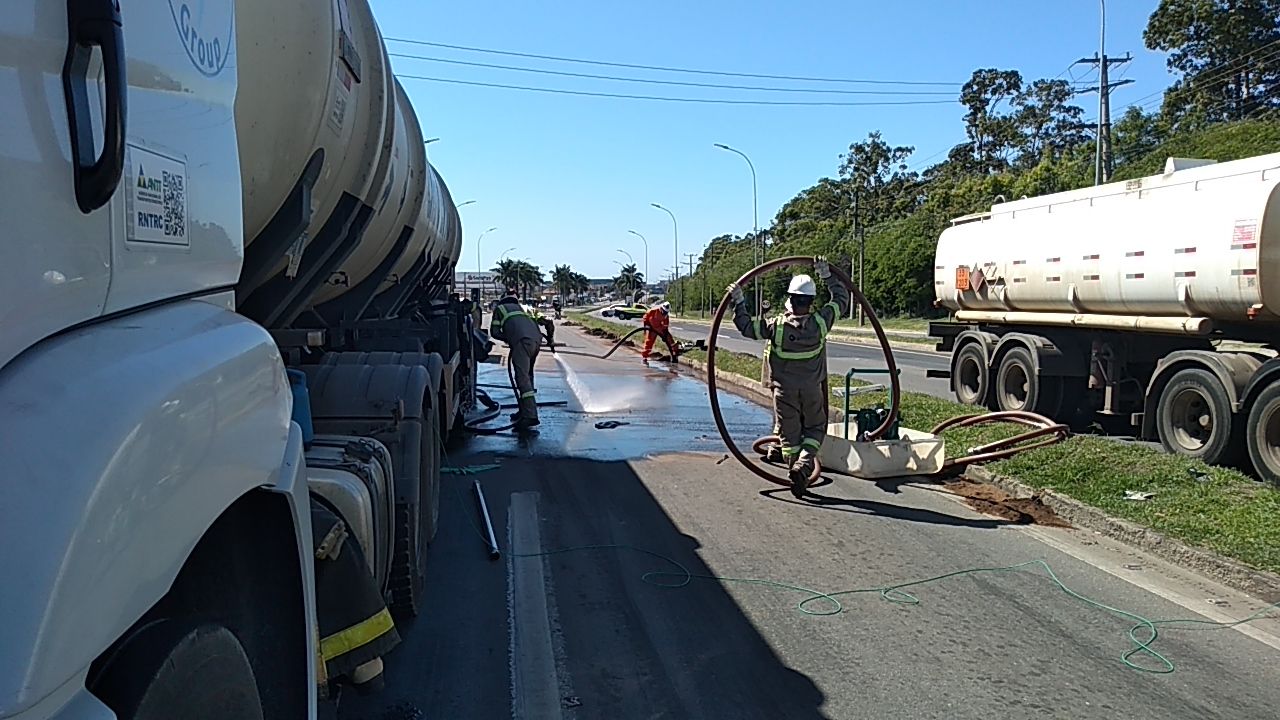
[564,178]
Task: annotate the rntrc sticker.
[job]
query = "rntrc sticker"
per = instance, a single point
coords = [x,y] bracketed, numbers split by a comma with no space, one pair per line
[156,202]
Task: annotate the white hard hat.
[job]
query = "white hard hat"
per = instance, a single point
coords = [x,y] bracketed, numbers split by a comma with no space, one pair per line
[665,306]
[802,285]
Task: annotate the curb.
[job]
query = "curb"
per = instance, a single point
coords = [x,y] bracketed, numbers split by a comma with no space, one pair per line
[1258,583]
[925,345]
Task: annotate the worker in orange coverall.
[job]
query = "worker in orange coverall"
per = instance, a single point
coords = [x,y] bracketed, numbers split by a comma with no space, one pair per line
[657,323]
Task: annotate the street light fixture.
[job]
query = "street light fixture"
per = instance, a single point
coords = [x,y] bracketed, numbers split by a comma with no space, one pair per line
[675,232]
[647,279]
[486,232]
[758,254]
[464,204]
[428,141]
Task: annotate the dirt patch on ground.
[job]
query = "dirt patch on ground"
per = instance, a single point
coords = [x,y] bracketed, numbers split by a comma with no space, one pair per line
[991,500]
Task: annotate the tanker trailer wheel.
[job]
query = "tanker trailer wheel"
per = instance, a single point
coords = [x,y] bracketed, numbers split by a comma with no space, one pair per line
[970,375]
[1194,418]
[1264,434]
[416,528]
[180,669]
[1018,387]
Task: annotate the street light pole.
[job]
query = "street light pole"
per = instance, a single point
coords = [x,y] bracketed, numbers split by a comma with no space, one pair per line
[633,264]
[675,232]
[478,263]
[758,250]
[647,279]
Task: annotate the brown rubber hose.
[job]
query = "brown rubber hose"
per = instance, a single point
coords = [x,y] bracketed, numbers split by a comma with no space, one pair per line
[1045,430]
[856,296]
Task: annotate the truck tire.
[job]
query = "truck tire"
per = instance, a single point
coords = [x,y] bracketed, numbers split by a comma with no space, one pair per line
[180,669]
[1019,387]
[415,529]
[970,375]
[1194,418]
[1264,434]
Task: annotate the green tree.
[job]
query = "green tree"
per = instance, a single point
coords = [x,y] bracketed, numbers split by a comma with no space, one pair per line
[508,272]
[1227,53]
[876,173]
[993,134]
[628,281]
[1047,122]
[563,278]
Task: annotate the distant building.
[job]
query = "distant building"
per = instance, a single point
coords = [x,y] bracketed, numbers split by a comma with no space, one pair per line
[463,282]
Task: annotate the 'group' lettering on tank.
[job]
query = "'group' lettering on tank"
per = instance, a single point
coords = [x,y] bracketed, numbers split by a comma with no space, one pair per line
[207,49]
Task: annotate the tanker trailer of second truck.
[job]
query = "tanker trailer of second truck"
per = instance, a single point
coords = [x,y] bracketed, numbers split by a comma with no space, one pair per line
[197,198]
[1154,301]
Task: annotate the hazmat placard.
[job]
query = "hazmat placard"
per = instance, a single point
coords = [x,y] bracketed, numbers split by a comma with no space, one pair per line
[156,200]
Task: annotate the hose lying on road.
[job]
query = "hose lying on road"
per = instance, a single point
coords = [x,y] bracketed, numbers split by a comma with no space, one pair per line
[613,349]
[1044,430]
[493,411]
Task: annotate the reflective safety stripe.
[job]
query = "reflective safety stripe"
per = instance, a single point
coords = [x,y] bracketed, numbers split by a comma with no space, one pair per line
[505,315]
[788,355]
[822,325]
[529,394]
[755,324]
[790,451]
[362,633]
[835,308]
[811,443]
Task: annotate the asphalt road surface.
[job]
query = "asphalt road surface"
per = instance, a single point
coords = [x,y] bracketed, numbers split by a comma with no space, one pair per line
[841,356]
[567,624]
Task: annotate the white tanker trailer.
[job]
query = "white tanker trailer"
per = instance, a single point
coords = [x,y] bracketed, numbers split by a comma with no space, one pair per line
[1117,299]
[229,355]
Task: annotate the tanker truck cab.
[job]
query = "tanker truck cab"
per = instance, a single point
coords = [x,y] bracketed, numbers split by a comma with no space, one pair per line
[162,478]
[1152,302]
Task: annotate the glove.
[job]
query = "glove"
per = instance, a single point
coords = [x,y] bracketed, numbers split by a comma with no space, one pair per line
[736,293]
[822,267]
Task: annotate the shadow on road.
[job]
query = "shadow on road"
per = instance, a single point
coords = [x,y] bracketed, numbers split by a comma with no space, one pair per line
[880,509]
[626,647]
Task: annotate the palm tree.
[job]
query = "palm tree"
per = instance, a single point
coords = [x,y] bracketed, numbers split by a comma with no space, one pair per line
[529,276]
[563,278]
[629,280]
[508,272]
[581,284]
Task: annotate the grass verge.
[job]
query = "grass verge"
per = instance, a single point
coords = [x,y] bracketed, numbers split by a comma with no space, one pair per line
[1220,509]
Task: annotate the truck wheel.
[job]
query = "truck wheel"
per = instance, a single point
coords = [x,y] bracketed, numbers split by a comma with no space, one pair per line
[970,375]
[1264,434]
[1195,419]
[416,528]
[1018,387]
[176,669]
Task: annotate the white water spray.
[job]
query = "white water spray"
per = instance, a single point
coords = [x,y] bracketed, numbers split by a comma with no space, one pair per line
[609,399]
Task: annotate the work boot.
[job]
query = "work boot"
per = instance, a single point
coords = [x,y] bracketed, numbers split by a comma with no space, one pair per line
[773,454]
[645,360]
[799,476]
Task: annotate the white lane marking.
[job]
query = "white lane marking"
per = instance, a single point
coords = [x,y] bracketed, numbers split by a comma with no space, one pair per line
[535,687]
[1136,579]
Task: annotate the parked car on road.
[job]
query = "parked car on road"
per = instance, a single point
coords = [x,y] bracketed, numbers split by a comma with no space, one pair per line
[625,312]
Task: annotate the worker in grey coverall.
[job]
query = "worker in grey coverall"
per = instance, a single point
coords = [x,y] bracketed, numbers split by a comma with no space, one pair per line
[797,359]
[513,325]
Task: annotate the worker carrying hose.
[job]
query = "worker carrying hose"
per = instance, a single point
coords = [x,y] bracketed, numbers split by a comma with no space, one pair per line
[797,361]
[514,326]
[657,324]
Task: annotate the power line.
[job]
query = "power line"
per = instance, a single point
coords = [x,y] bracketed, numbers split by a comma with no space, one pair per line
[1210,76]
[661,68]
[669,82]
[708,101]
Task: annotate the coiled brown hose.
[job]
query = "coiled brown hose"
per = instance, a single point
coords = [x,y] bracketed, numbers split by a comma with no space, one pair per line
[856,296]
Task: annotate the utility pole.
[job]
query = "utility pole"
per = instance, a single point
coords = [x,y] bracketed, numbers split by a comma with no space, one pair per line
[1103,164]
[689,277]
